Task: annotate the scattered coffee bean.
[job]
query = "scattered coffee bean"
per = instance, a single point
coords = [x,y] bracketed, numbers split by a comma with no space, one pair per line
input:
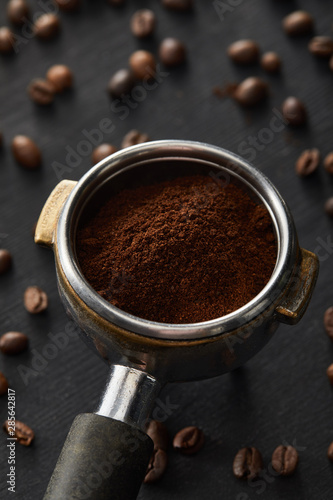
[179,5]
[101,152]
[22,432]
[189,440]
[247,463]
[3,384]
[285,460]
[143,23]
[68,5]
[35,300]
[156,466]
[121,83]
[60,76]
[7,40]
[251,91]
[328,322]
[244,52]
[321,46]
[158,432]
[47,26]
[26,152]
[330,452]
[308,162]
[329,373]
[143,64]
[5,261]
[328,163]
[134,137]
[294,111]
[298,23]
[41,92]
[271,62]
[172,52]
[18,11]
[13,342]
[329,207]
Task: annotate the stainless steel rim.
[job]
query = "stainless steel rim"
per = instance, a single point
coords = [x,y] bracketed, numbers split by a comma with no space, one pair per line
[184,150]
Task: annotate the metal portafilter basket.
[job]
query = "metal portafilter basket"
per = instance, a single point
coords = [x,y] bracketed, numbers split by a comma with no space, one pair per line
[106,453]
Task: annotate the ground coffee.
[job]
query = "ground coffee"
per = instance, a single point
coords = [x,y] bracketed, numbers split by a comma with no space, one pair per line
[181,251]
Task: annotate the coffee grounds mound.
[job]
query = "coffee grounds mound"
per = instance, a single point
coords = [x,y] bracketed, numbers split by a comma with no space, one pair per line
[181,251]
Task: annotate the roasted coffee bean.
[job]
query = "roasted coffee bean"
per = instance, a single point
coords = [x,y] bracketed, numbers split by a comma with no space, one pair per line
[21,431]
[179,5]
[321,46]
[13,342]
[3,384]
[35,300]
[41,92]
[329,373]
[308,162]
[328,322]
[244,52]
[26,152]
[5,261]
[271,62]
[247,463]
[251,91]
[158,432]
[329,207]
[121,83]
[330,452]
[134,137]
[68,5]
[18,11]
[285,460]
[156,467]
[172,52]
[143,23]
[7,40]
[101,152]
[294,111]
[328,163]
[143,64]
[60,76]
[298,23]
[47,26]
[189,440]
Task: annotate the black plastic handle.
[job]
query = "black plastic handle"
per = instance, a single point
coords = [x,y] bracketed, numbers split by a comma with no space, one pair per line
[101,459]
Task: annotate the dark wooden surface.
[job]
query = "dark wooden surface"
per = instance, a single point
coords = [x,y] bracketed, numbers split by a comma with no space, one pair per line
[283,393]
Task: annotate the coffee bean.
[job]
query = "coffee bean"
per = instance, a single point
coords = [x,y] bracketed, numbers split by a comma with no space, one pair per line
[41,92]
[68,5]
[3,384]
[26,152]
[329,373]
[60,76]
[298,23]
[7,40]
[321,46]
[308,162]
[294,111]
[23,433]
[330,452]
[35,300]
[143,64]
[328,163]
[158,432]
[189,440]
[247,463]
[47,26]
[244,52]
[285,460]
[251,91]
[121,83]
[13,342]
[328,322]
[101,152]
[156,466]
[143,23]
[178,5]
[271,62]
[18,11]
[172,52]
[329,207]
[134,137]
[5,261]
